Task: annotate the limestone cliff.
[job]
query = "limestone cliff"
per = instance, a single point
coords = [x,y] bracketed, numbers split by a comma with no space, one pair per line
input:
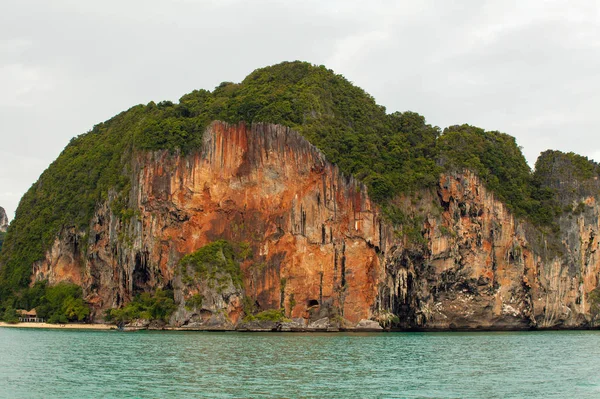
[481,268]
[321,250]
[3,220]
[315,238]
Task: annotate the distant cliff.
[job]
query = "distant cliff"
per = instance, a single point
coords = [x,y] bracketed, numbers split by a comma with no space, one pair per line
[346,218]
[3,220]
[3,226]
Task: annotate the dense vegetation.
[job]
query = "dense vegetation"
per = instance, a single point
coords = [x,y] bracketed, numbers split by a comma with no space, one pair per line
[60,303]
[392,153]
[2,235]
[558,165]
[570,176]
[498,161]
[276,315]
[216,263]
[157,306]
[594,298]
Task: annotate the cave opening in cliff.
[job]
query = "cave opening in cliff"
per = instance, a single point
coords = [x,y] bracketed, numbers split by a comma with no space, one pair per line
[312,302]
[409,283]
[141,274]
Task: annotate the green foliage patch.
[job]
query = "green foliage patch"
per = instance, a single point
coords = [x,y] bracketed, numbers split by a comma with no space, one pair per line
[559,165]
[194,302]
[594,298]
[157,306]
[61,303]
[10,315]
[569,177]
[275,315]
[497,159]
[213,262]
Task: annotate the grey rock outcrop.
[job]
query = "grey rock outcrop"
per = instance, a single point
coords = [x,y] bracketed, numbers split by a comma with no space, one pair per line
[3,221]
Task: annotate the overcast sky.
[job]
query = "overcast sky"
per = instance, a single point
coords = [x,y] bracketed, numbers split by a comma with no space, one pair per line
[530,68]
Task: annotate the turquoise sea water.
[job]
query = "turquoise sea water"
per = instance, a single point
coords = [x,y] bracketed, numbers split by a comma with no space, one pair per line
[111,364]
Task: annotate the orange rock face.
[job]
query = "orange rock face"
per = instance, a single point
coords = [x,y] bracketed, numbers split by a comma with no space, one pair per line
[320,247]
[312,230]
[268,187]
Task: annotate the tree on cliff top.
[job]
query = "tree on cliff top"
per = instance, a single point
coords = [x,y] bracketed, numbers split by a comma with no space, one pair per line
[498,161]
[569,175]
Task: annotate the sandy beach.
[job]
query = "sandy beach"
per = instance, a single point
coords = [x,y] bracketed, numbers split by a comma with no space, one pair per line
[61,326]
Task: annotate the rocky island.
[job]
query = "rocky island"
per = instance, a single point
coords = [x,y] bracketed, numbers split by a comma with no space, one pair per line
[3,220]
[3,225]
[292,201]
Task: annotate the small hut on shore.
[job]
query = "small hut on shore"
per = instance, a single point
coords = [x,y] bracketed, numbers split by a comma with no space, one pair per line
[29,316]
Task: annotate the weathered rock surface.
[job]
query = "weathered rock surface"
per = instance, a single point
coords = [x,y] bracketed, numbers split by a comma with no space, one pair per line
[482,269]
[3,220]
[322,250]
[368,325]
[312,231]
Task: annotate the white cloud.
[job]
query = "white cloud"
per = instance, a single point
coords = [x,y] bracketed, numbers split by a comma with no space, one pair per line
[349,49]
[21,84]
[14,46]
[11,186]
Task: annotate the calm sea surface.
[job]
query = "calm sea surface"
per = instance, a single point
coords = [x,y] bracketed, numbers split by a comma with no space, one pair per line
[110,364]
